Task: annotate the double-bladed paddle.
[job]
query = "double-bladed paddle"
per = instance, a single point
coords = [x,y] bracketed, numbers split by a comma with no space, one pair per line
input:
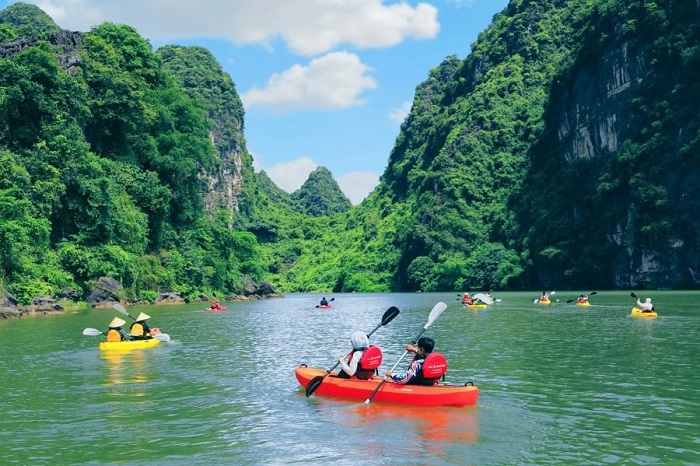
[119,308]
[388,316]
[434,314]
[93,332]
[535,301]
[569,301]
[332,299]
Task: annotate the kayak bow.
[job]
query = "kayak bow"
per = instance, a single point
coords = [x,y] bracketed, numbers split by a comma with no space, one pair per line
[636,312]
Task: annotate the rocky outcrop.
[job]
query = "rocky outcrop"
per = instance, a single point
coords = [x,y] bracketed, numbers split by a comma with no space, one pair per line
[68,44]
[106,293]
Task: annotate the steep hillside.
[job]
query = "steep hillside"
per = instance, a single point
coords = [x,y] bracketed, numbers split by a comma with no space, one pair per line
[559,153]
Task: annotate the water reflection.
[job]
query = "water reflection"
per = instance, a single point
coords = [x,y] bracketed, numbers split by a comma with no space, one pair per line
[125,367]
[420,431]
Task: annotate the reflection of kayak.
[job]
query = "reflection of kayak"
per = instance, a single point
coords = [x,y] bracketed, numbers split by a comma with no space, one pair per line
[438,395]
[324,306]
[128,345]
[636,312]
[585,303]
[218,309]
[477,306]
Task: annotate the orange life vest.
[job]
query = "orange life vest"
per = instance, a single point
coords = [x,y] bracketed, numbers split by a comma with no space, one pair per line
[434,367]
[114,335]
[369,362]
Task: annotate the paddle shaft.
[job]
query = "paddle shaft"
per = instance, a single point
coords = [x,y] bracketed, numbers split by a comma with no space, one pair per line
[394,367]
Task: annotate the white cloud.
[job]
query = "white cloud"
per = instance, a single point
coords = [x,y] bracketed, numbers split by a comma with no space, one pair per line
[308,27]
[331,82]
[400,114]
[358,185]
[291,175]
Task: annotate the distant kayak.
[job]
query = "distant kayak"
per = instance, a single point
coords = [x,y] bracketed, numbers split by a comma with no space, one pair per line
[545,302]
[585,303]
[128,345]
[324,306]
[477,306]
[218,309]
[636,312]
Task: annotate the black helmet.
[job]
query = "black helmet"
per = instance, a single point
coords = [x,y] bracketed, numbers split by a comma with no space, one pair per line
[427,344]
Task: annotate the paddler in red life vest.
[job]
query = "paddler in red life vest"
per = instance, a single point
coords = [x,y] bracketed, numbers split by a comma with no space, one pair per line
[116,332]
[466,299]
[215,305]
[425,369]
[363,360]
[583,299]
[139,330]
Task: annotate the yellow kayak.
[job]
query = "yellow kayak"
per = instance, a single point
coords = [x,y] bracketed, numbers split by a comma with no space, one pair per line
[636,312]
[585,303]
[545,302]
[477,306]
[128,345]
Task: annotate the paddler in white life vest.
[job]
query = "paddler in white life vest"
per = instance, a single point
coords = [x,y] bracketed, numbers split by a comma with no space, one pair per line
[645,306]
[139,330]
[363,360]
[116,332]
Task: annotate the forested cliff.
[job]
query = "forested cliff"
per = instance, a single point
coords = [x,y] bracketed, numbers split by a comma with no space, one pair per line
[562,152]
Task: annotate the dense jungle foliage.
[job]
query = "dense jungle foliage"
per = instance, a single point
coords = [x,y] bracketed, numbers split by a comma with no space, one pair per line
[117,164]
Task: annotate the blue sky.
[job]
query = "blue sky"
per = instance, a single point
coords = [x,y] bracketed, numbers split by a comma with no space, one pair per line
[324,82]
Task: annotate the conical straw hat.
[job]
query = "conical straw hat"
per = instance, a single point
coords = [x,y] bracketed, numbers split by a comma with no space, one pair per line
[142,316]
[117,322]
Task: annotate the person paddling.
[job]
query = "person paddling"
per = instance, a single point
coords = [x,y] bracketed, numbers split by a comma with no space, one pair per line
[139,330]
[645,306]
[116,332]
[425,369]
[363,360]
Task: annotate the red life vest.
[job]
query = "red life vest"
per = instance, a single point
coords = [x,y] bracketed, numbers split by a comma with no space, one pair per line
[369,362]
[434,367]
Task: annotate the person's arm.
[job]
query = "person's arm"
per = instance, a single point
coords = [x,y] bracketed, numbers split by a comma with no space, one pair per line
[351,368]
[125,335]
[409,375]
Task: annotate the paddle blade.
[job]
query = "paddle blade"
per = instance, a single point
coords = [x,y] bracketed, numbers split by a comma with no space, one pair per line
[552,293]
[632,295]
[93,332]
[390,314]
[162,337]
[314,384]
[119,308]
[435,313]
[592,293]
[484,299]
[569,301]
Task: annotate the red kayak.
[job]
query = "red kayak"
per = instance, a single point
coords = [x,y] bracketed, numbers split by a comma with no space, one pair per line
[324,306]
[218,309]
[417,395]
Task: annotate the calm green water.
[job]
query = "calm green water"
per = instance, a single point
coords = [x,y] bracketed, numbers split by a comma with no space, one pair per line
[559,384]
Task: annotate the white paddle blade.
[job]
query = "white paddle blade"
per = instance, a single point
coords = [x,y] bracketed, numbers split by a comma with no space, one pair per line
[93,332]
[162,337]
[552,293]
[120,308]
[484,299]
[435,313]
